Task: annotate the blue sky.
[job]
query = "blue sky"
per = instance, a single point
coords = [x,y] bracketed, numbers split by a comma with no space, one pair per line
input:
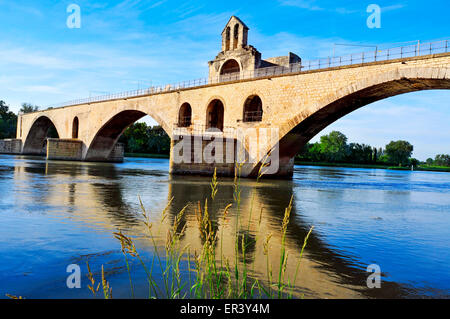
[128,44]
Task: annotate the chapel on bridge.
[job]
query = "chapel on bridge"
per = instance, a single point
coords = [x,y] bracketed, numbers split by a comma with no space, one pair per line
[238,56]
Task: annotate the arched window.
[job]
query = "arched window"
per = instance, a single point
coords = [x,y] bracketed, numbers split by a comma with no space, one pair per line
[75,127]
[231,66]
[185,115]
[236,36]
[214,115]
[227,39]
[253,109]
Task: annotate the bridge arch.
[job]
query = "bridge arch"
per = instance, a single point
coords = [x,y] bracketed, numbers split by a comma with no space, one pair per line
[36,137]
[102,144]
[313,118]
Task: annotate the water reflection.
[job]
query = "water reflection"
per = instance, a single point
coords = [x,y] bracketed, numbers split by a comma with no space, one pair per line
[91,201]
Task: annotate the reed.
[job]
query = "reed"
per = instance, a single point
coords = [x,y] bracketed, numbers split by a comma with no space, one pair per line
[209,274]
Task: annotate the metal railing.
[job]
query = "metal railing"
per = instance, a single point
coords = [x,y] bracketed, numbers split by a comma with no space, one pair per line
[253,116]
[185,121]
[414,50]
[202,130]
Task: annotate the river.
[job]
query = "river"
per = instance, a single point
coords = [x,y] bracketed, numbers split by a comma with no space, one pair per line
[54,214]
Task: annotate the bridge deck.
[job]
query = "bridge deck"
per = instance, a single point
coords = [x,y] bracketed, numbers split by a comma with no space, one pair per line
[391,55]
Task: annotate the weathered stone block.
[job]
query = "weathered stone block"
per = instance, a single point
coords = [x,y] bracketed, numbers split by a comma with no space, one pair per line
[10,146]
[64,149]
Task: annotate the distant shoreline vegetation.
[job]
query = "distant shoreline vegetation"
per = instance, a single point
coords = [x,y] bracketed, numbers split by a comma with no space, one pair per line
[369,166]
[333,150]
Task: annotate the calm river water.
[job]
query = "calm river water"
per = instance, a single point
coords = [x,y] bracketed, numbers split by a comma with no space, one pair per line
[53,214]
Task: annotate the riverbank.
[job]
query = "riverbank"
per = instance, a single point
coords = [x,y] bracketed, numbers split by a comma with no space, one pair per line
[376,166]
[323,164]
[140,155]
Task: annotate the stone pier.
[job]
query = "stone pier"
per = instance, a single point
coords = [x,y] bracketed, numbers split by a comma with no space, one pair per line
[11,146]
[64,149]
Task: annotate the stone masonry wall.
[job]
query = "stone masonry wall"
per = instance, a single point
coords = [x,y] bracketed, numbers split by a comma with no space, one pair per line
[64,149]
[10,146]
[117,153]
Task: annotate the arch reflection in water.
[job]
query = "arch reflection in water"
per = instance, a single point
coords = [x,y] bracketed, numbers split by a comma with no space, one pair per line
[94,200]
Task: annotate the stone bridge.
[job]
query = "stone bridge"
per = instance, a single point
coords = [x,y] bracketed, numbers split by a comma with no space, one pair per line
[243,92]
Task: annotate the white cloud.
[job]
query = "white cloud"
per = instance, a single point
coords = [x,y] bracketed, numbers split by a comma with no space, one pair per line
[313,5]
[303,4]
[392,7]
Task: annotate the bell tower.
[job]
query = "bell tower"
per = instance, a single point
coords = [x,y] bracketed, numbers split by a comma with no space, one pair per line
[238,59]
[235,35]
[236,55]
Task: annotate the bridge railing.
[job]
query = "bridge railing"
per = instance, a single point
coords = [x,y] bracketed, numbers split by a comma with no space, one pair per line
[203,130]
[414,50]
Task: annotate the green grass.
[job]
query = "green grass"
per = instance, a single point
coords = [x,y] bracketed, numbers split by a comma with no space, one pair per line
[434,168]
[376,166]
[210,274]
[350,165]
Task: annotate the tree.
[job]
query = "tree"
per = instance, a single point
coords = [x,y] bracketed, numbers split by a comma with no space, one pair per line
[29,108]
[334,146]
[140,138]
[430,161]
[359,153]
[414,162]
[399,152]
[442,160]
[3,108]
[135,138]
[158,141]
[310,153]
[8,122]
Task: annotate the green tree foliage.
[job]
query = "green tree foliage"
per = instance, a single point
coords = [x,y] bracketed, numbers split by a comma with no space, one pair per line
[8,122]
[140,138]
[310,153]
[334,147]
[442,160]
[360,153]
[399,152]
[414,162]
[29,108]
[159,141]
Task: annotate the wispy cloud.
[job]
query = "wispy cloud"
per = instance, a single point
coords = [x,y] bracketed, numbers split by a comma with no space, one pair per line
[303,4]
[392,7]
[313,5]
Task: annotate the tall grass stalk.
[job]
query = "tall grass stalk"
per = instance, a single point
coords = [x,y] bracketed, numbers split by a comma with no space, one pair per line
[209,272]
